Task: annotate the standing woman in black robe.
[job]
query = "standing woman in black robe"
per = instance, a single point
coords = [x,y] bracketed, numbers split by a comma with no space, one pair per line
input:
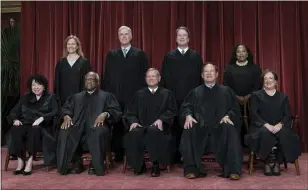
[271,136]
[70,70]
[32,116]
[243,77]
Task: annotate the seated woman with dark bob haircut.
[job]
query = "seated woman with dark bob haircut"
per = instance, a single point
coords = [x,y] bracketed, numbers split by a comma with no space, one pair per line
[271,136]
[31,116]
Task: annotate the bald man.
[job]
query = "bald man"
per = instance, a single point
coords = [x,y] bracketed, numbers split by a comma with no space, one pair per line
[87,117]
[124,72]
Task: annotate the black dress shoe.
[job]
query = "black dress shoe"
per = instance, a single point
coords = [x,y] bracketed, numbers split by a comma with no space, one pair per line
[267,170]
[143,170]
[155,171]
[27,173]
[18,172]
[276,169]
[77,170]
[91,170]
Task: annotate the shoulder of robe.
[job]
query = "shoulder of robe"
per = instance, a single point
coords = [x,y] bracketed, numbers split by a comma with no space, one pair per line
[83,58]
[258,93]
[79,94]
[172,52]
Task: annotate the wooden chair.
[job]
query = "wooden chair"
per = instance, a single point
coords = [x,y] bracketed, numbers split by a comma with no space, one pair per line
[294,126]
[146,155]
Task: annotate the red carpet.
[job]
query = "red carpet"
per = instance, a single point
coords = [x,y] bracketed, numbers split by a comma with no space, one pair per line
[115,179]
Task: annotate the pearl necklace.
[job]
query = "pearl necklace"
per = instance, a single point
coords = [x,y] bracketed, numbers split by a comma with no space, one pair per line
[242,64]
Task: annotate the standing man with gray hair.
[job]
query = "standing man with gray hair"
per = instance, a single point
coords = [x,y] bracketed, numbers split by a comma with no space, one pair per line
[123,75]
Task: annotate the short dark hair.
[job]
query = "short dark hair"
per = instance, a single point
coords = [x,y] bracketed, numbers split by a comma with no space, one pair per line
[183,28]
[233,58]
[209,63]
[40,79]
[268,71]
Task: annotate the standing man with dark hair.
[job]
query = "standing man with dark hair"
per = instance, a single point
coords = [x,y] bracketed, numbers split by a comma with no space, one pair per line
[181,73]
[123,75]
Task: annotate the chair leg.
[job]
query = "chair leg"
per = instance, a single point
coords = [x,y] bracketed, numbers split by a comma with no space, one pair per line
[297,167]
[7,160]
[107,162]
[124,164]
[168,168]
[285,165]
[251,162]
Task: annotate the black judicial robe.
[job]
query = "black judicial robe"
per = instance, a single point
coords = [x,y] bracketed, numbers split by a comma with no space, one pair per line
[70,79]
[242,79]
[28,109]
[145,108]
[272,110]
[84,109]
[208,107]
[181,73]
[123,76]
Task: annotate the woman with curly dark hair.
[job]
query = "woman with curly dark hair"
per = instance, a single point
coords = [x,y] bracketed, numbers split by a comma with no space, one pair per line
[242,76]
[32,114]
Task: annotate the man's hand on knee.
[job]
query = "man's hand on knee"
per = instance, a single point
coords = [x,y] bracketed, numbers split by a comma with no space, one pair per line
[100,119]
[226,119]
[67,122]
[189,122]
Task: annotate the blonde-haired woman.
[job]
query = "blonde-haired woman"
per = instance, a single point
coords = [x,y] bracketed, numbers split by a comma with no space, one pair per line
[70,69]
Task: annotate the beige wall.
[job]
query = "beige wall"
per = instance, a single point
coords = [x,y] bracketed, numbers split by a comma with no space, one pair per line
[10,6]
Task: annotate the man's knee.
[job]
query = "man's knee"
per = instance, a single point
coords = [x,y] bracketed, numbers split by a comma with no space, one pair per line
[228,127]
[153,129]
[101,130]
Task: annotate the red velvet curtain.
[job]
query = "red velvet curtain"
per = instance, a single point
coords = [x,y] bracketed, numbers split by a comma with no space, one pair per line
[276,32]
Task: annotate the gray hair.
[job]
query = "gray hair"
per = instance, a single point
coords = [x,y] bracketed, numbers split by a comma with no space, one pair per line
[125,27]
[96,75]
[153,69]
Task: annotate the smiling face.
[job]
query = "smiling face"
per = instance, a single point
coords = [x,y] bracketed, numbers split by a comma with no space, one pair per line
[71,46]
[37,88]
[269,81]
[125,36]
[152,78]
[182,38]
[241,53]
[91,82]
[209,73]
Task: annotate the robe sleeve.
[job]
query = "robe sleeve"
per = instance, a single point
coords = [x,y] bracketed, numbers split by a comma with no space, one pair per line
[53,108]
[256,80]
[105,73]
[56,89]
[113,108]
[256,119]
[170,112]
[187,107]
[143,67]
[286,120]
[68,108]
[16,111]
[234,111]
[131,112]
